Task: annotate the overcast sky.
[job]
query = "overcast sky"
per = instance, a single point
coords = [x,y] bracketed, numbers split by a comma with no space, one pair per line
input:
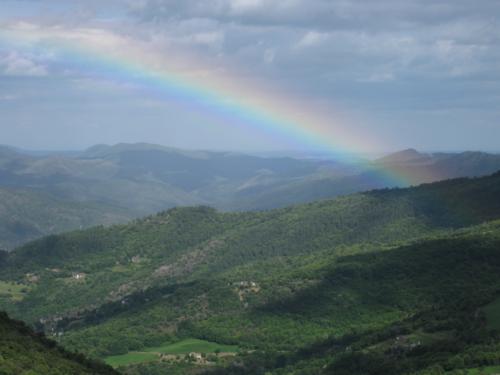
[422,74]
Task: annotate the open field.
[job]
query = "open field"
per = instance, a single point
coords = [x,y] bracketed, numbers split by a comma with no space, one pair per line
[193,345]
[131,358]
[179,348]
[12,291]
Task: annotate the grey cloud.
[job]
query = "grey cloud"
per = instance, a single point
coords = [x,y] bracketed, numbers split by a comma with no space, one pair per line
[454,36]
[369,55]
[321,14]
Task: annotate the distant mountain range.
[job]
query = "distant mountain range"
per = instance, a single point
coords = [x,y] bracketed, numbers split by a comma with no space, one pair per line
[44,193]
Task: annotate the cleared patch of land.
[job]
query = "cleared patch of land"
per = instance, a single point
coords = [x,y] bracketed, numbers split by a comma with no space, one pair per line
[193,345]
[13,291]
[178,348]
[131,358]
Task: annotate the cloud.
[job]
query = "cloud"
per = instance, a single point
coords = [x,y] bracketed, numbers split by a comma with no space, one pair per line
[454,38]
[312,38]
[244,6]
[16,64]
[314,46]
[319,14]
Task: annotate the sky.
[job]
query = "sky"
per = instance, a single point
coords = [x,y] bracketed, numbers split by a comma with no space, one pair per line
[251,75]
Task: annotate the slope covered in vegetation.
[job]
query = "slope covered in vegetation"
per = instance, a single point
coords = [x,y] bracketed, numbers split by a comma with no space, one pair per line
[307,287]
[435,293]
[24,352]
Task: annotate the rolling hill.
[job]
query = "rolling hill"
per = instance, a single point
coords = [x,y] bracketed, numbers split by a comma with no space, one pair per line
[314,288]
[122,182]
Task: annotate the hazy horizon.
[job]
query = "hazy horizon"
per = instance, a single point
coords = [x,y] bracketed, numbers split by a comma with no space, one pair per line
[266,153]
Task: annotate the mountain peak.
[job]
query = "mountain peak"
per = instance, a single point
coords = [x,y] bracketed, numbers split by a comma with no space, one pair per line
[404,156]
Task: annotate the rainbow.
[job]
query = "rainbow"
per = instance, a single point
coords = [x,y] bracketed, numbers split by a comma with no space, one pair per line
[243,101]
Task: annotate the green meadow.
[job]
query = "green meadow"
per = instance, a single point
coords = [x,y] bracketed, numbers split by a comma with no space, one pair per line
[12,291]
[193,345]
[178,348]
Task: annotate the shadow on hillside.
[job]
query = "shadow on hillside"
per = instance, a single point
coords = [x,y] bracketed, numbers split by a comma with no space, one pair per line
[428,273]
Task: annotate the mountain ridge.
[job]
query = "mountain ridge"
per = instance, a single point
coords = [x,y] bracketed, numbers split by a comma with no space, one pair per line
[146,178]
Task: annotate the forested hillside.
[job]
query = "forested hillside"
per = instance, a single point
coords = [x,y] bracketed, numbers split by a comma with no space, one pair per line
[306,289]
[24,352]
[427,308]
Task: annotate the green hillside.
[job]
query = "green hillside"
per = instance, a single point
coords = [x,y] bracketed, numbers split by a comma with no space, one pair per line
[307,289]
[24,352]
[423,306]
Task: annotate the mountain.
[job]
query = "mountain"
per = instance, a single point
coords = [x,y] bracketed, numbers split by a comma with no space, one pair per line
[122,182]
[406,156]
[112,184]
[412,168]
[24,352]
[390,281]
[419,168]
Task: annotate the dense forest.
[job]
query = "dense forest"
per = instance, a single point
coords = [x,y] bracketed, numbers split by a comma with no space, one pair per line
[392,281]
